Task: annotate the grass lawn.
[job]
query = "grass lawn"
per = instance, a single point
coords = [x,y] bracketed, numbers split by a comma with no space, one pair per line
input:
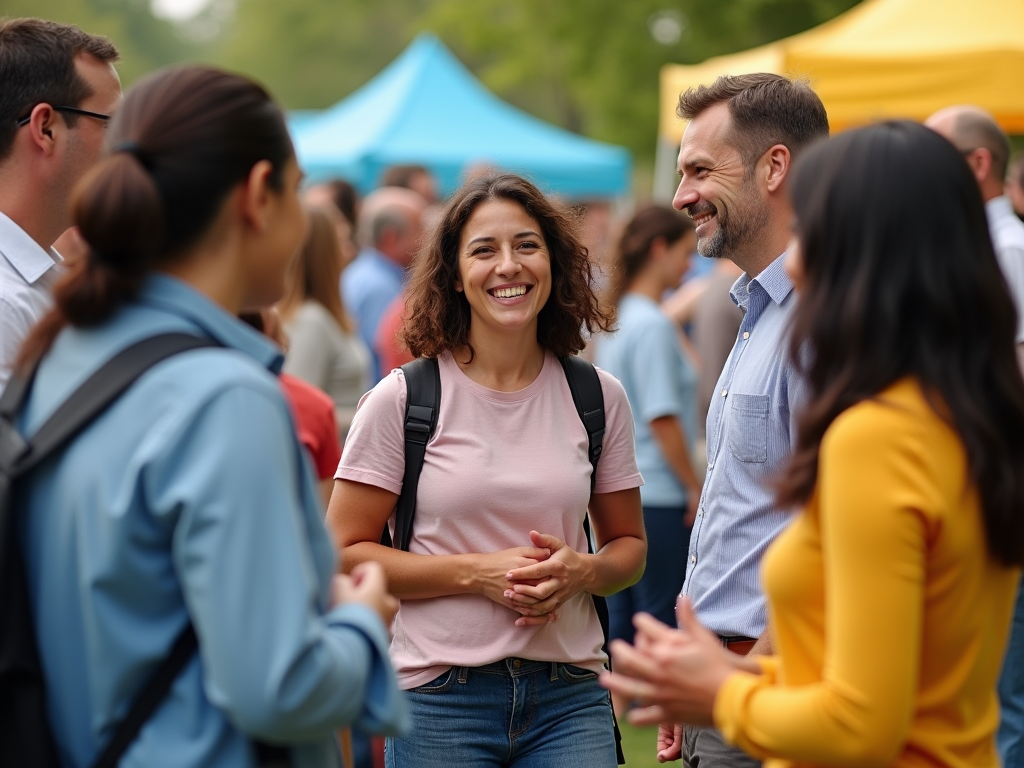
[638,745]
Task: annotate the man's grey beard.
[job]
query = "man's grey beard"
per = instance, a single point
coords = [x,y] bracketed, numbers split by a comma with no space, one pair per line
[743,227]
[713,247]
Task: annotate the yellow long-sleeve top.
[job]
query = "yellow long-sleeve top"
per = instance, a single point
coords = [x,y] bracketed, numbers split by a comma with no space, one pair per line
[889,617]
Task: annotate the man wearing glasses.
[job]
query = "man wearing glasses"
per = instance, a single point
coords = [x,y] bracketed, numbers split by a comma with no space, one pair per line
[59,90]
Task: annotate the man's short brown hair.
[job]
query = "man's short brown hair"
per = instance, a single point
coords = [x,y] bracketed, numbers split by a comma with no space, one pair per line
[766,110]
[37,65]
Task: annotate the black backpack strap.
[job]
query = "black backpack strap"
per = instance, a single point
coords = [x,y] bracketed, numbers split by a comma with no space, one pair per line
[422,405]
[18,653]
[149,698]
[588,397]
[93,397]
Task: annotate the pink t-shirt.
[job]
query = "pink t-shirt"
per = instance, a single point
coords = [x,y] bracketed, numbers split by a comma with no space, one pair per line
[500,464]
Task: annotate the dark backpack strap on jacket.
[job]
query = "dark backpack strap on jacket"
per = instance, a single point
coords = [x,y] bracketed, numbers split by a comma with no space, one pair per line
[97,393]
[422,405]
[25,737]
[149,699]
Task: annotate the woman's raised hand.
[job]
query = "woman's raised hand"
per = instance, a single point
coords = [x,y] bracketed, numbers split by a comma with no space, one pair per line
[671,676]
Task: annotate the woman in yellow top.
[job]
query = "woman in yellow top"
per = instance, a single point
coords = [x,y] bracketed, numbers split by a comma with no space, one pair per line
[891,594]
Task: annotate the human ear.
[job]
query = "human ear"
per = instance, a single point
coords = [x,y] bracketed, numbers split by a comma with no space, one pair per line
[980,161]
[777,162]
[257,196]
[40,128]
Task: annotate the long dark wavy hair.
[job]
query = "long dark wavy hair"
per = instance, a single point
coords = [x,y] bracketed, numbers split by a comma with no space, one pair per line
[439,315]
[901,280]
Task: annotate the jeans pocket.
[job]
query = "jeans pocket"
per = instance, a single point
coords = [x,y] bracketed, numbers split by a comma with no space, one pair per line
[439,684]
[573,674]
[748,427]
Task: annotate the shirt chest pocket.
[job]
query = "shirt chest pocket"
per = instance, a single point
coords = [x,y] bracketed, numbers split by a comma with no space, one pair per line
[748,427]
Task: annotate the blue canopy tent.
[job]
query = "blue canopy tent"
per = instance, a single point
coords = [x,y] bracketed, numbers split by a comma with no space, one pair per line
[426,108]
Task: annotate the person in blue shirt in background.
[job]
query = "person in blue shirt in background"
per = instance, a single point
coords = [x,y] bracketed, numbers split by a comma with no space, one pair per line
[190,499]
[392,224]
[647,355]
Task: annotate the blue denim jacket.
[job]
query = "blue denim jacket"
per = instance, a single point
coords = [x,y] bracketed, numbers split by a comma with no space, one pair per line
[190,499]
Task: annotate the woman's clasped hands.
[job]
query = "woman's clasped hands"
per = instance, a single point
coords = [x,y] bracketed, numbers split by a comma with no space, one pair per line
[537,589]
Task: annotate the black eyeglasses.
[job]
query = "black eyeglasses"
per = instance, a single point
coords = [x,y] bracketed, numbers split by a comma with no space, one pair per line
[73,110]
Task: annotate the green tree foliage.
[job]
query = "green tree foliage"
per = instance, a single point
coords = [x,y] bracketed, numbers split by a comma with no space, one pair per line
[145,42]
[588,65]
[311,53]
[592,65]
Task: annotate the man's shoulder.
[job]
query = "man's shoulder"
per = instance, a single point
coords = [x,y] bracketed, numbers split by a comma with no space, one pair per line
[1008,235]
[20,298]
[21,256]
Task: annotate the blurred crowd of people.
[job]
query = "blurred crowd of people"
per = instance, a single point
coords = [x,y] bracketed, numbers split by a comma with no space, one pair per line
[802,479]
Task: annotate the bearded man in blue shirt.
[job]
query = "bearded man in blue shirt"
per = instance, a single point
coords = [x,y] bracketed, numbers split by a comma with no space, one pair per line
[734,159]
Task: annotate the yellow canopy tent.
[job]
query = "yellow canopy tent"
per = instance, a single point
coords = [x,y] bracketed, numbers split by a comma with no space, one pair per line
[888,58]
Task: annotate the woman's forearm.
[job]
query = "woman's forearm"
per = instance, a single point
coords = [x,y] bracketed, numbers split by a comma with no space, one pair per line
[413,576]
[619,564]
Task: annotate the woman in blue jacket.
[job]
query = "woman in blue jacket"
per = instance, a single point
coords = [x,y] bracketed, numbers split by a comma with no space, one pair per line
[189,500]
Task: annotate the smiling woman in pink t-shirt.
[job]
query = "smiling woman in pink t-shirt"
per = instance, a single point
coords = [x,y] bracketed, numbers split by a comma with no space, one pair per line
[497,640]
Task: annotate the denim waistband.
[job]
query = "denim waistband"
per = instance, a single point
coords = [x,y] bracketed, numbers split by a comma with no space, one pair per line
[511,667]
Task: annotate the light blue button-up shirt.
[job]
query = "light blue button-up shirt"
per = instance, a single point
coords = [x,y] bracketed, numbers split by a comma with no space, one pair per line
[751,431]
[646,356]
[190,498]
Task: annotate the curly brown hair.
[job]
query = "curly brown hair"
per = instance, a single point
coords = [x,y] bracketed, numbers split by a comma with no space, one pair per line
[438,316]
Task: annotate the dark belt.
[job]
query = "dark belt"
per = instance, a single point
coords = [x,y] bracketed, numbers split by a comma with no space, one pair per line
[738,644]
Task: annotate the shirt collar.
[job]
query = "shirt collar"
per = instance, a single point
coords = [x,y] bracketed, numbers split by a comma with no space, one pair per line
[176,297]
[30,259]
[773,279]
[998,208]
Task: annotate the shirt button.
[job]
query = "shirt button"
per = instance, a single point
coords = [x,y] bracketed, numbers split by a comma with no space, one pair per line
[725,392]
[711,466]
[746,334]
[693,559]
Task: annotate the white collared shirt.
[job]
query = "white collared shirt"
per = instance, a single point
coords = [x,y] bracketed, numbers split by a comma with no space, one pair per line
[1008,238]
[27,275]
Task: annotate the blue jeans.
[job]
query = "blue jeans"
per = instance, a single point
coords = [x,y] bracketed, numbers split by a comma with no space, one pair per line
[1011,692]
[515,712]
[668,542]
